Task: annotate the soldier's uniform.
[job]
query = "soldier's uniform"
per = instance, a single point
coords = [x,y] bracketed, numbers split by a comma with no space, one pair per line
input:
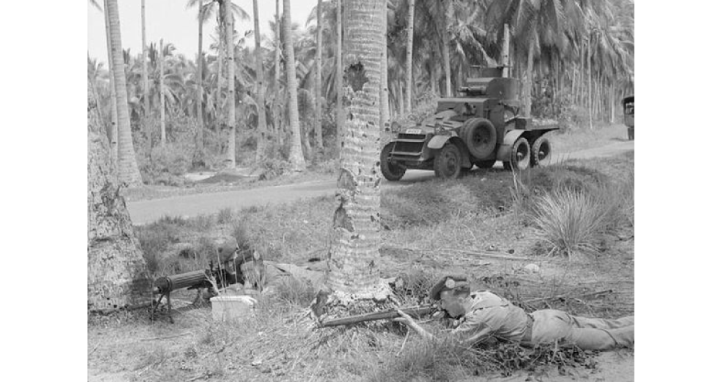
[489,316]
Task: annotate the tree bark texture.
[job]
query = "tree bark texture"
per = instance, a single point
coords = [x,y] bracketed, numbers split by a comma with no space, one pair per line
[113,105]
[354,256]
[385,119]
[340,113]
[128,171]
[116,268]
[298,163]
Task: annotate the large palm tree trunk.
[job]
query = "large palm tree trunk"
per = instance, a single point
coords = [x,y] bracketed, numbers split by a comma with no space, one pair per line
[354,257]
[409,56]
[340,115]
[113,103]
[231,98]
[260,88]
[384,73]
[298,163]
[318,77]
[128,171]
[116,268]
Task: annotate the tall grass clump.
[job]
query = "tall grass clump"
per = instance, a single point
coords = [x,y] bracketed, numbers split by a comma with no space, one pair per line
[434,360]
[575,222]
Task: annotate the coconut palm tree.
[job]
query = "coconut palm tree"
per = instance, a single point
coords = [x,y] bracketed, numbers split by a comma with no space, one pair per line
[409,55]
[260,88]
[318,77]
[296,158]
[231,90]
[340,113]
[116,268]
[146,101]
[113,104]
[128,171]
[354,257]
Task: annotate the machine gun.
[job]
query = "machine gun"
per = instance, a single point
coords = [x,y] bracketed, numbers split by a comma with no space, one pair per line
[416,312]
[191,280]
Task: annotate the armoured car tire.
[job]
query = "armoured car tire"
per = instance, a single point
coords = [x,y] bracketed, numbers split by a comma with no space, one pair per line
[541,152]
[391,171]
[447,163]
[485,163]
[479,135]
[520,155]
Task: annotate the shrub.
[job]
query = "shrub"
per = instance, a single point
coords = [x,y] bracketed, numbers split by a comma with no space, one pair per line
[574,222]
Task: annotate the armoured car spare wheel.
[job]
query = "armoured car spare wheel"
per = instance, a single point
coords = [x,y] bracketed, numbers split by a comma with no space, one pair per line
[390,169]
[447,163]
[479,134]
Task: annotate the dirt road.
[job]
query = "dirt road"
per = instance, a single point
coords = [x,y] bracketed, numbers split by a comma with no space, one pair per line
[147,211]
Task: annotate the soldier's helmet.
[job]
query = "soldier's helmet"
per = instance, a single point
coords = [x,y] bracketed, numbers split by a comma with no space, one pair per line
[450,282]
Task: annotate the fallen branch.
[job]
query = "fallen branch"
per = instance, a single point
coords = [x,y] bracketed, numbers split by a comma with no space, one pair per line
[494,256]
[165,338]
[545,299]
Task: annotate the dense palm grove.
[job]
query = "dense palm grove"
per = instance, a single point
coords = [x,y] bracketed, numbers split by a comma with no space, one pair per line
[575,58]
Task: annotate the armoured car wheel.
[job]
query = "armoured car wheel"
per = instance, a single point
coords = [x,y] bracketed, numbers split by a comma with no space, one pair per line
[541,152]
[630,133]
[447,163]
[520,156]
[390,169]
[479,134]
[485,163]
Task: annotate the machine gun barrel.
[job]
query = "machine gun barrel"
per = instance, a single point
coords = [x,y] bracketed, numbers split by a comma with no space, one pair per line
[385,315]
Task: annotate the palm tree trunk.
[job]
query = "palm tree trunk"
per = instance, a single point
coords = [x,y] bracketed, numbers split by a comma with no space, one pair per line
[409,56]
[146,100]
[340,114]
[589,82]
[298,163]
[199,81]
[161,59]
[231,97]
[448,12]
[128,171]
[260,89]
[146,124]
[277,78]
[318,77]
[528,79]
[113,104]
[505,53]
[116,269]
[354,257]
[221,61]
[384,74]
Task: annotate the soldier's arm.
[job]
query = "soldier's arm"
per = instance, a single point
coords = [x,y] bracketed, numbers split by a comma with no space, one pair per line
[473,331]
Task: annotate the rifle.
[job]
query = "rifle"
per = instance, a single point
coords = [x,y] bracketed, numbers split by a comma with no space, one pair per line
[385,315]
